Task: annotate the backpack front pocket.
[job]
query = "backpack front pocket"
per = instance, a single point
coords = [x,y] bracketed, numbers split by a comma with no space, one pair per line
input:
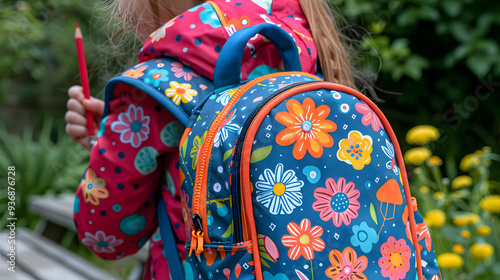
[222,262]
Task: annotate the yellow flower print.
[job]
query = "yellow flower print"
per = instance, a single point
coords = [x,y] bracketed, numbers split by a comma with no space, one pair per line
[180,92]
[355,150]
[93,188]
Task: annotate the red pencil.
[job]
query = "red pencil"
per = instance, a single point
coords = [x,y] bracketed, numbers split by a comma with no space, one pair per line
[84,77]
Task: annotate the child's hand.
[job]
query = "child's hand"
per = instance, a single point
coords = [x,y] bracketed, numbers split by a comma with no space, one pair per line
[76,123]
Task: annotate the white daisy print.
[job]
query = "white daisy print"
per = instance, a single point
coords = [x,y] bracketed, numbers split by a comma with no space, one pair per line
[279,190]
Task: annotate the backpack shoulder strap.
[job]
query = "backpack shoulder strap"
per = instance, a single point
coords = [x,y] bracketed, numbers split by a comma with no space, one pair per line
[174,85]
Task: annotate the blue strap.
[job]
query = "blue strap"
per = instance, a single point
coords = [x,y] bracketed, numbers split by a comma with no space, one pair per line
[169,242]
[228,68]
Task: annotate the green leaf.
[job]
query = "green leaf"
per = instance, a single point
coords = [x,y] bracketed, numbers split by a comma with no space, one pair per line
[452,8]
[373,213]
[184,147]
[260,154]
[227,154]
[460,31]
[228,231]
[264,262]
[480,65]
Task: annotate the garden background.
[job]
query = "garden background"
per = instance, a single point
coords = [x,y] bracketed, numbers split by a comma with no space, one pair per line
[435,62]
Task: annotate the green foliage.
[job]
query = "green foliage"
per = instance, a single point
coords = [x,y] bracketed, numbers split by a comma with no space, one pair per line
[47,164]
[443,57]
[39,61]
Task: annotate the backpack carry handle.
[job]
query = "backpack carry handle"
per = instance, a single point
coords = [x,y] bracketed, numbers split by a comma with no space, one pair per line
[228,68]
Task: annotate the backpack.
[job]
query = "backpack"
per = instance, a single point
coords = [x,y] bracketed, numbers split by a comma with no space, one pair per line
[287,176]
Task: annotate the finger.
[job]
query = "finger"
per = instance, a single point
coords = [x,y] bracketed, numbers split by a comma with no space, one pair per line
[76,92]
[84,142]
[76,131]
[76,106]
[75,118]
[94,105]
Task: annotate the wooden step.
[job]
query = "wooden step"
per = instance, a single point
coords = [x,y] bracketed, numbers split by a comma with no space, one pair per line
[40,258]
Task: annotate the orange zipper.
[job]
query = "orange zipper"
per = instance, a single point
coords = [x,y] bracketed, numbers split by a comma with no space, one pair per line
[199,203]
[222,17]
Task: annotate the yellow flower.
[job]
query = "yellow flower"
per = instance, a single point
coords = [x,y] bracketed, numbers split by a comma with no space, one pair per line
[434,161]
[469,161]
[417,156]
[435,218]
[466,219]
[465,233]
[457,248]
[180,92]
[438,195]
[461,182]
[424,189]
[491,203]
[422,134]
[484,230]
[450,260]
[417,170]
[355,150]
[481,250]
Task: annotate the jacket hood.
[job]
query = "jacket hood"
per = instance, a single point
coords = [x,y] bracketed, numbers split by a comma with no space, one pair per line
[197,36]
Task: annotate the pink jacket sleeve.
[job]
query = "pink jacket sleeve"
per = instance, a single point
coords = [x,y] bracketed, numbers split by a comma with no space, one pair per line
[115,204]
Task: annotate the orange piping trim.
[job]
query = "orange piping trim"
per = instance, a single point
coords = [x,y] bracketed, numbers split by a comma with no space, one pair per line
[222,17]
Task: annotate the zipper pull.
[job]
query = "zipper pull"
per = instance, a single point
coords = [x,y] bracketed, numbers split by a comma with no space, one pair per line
[197,236]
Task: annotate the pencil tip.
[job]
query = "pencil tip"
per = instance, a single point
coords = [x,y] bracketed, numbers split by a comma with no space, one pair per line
[77,25]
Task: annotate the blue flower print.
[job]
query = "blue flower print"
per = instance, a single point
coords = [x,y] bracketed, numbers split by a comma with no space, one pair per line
[132,224]
[364,237]
[155,76]
[268,276]
[103,127]
[264,4]
[312,173]
[209,16]
[261,70]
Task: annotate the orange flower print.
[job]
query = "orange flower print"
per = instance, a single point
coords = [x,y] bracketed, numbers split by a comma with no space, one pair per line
[346,265]
[135,73]
[180,92]
[93,188]
[355,150]
[307,127]
[304,240]
[395,260]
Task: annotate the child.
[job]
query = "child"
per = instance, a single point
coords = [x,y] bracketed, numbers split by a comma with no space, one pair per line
[115,211]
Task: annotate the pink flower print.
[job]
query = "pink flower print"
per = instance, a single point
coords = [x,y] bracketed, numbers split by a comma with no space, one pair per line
[180,71]
[338,201]
[395,260]
[369,117]
[132,125]
[99,243]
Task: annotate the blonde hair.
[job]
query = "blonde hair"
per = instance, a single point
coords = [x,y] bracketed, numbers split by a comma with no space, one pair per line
[334,49]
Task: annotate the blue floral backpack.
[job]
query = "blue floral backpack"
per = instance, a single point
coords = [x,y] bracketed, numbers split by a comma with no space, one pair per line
[290,177]
[293,177]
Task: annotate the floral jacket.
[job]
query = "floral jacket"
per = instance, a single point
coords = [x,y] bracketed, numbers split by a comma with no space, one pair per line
[135,159]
